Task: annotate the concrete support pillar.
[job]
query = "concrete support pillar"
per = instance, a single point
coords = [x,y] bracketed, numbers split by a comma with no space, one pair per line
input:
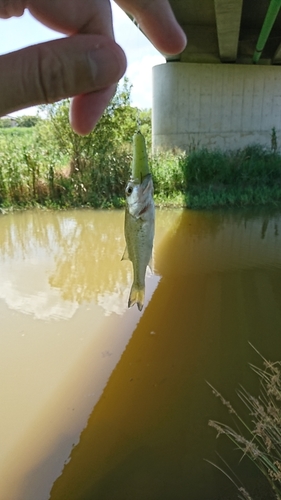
[215,105]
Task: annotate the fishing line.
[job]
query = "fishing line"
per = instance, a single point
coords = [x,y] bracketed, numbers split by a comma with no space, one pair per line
[135,22]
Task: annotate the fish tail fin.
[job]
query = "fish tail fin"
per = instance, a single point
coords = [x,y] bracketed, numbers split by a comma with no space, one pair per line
[136,297]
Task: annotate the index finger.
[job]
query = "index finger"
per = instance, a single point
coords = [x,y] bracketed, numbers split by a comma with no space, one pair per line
[83,17]
[74,16]
[158,22]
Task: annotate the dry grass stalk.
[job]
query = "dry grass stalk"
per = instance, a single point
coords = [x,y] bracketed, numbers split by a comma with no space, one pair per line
[261,441]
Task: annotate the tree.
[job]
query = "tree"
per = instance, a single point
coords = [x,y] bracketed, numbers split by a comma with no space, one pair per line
[99,162]
[6,123]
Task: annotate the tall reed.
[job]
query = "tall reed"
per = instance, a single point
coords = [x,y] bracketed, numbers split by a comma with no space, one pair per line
[260,440]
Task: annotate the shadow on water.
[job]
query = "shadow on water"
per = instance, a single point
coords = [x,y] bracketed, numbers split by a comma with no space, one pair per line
[147,436]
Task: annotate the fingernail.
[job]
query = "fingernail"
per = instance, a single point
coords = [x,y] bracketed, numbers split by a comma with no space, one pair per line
[108,65]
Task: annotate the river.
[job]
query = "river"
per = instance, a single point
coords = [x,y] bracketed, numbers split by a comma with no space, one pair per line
[103,402]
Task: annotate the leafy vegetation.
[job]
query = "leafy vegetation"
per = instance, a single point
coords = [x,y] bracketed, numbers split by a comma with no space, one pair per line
[52,165]
[43,161]
[260,440]
[24,121]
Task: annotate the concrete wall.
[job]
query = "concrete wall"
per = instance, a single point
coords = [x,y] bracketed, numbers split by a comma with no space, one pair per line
[215,105]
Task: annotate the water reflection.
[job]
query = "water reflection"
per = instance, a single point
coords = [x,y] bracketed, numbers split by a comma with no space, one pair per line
[71,257]
[74,257]
[217,286]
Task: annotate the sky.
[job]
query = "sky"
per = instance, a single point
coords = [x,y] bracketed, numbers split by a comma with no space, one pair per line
[16,33]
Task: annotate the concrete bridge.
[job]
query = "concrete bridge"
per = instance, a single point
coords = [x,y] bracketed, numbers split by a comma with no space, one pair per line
[224,89]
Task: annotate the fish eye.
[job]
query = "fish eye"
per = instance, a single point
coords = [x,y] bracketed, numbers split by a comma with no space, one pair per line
[129,190]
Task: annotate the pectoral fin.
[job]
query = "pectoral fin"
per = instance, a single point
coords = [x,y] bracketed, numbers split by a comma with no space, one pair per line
[125,254]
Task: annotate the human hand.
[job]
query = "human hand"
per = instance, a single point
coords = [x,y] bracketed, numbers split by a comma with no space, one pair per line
[86,64]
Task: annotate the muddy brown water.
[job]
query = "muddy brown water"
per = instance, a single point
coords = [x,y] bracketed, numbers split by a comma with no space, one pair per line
[101,402]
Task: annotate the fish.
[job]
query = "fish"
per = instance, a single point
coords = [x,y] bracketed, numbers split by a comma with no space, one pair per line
[139,225]
[139,234]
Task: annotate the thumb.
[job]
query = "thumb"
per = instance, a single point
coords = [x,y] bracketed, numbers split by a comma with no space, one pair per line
[51,71]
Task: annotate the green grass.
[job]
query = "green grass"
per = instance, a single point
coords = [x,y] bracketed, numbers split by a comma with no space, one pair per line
[167,173]
[35,171]
[210,179]
[17,132]
[253,164]
[251,176]
[231,196]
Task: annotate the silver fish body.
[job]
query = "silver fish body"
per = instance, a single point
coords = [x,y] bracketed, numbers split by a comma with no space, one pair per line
[139,234]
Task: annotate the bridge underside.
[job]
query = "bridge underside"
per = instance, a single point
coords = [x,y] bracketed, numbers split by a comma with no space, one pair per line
[226,31]
[212,94]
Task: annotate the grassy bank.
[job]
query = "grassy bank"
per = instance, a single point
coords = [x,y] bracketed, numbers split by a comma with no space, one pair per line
[37,169]
[209,179]
[250,176]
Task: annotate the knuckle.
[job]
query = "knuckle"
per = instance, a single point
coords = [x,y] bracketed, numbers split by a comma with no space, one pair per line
[52,76]
[10,8]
